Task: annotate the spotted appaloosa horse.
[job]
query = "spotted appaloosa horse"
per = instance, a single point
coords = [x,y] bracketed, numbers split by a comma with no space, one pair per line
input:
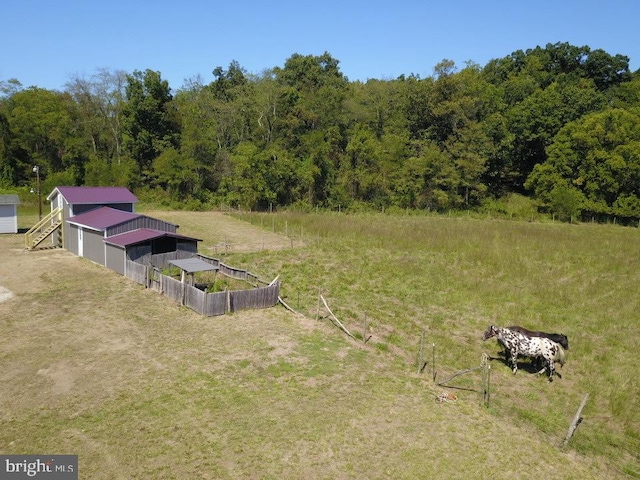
[556,337]
[534,347]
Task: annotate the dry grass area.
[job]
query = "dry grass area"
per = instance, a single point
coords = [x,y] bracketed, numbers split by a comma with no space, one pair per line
[139,387]
[217,230]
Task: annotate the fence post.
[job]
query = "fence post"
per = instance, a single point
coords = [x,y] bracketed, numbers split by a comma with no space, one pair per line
[433,360]
[364,330]
[318,309]
[576,421]
[421,354]
[182,289]
[486,380]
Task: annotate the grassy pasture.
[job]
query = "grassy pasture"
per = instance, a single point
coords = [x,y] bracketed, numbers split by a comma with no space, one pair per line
[454,276]
[140,387]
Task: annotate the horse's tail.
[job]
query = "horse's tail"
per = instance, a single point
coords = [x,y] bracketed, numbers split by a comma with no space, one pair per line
[560,356]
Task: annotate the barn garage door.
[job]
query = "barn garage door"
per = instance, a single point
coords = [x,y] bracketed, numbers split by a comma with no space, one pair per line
[8,219]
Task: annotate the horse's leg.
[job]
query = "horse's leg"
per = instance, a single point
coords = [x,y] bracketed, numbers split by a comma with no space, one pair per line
[540,362]
[552,369]
[550,364]
[514,359]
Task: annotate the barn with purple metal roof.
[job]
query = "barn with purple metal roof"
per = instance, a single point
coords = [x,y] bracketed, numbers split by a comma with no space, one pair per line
[86,232]
[139,245]
[99,223]
[74,201]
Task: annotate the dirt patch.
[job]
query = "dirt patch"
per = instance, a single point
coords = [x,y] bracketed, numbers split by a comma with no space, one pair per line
[5,294]
[74,329]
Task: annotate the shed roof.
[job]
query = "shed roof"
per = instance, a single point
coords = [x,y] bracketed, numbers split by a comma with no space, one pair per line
[103,217]
[192,265]
[9,199]
[142,235]
[88,195]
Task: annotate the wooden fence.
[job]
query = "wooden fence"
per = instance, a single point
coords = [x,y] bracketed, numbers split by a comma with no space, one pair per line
[161,261]
[137,272]
[207,304]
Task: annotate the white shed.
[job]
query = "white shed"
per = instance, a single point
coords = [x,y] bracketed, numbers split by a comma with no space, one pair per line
[9,213]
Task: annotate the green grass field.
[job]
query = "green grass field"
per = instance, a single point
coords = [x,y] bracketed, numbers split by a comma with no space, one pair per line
[454,276]
[139,387]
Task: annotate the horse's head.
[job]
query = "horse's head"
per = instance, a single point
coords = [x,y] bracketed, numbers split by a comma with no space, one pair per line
[490,332]
[560,356]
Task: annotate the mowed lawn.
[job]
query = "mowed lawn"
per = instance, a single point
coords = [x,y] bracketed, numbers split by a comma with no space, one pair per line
[139,387]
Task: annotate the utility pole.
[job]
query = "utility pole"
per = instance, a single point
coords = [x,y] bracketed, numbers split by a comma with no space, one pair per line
[36,170]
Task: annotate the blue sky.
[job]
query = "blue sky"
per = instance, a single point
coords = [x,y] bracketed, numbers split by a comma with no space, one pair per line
[46,43]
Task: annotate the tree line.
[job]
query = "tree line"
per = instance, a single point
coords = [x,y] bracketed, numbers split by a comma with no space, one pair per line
[559,124]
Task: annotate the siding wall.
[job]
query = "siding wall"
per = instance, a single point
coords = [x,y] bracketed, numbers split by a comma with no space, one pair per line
[93,247]
[67,233]
[115,258]
[81,208]
[8,219]
[70,237]
[142,222]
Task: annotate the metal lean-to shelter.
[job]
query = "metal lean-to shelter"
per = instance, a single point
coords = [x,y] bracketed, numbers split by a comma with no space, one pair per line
[189,266]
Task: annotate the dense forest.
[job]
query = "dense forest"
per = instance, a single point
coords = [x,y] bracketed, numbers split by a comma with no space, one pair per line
[559,124]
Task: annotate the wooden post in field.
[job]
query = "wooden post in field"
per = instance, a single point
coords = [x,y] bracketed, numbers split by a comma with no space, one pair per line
[335,319]
[364,329]
[421,362]
[433,360]
[319,301]
[576,421]
[488,384]
[486,380]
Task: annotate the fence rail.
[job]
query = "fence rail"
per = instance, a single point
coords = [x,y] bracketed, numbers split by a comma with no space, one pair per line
[207,304]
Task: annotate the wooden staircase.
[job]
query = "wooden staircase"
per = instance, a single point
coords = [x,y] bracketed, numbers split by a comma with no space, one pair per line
[44,229]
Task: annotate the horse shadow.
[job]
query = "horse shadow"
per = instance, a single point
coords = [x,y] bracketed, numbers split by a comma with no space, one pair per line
[529,365]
